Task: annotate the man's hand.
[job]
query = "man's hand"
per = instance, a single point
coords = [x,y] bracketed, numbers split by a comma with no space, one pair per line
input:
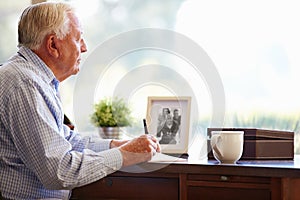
[139,150]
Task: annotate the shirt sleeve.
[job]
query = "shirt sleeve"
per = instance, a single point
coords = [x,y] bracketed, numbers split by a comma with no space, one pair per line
[58,162]
[93,143]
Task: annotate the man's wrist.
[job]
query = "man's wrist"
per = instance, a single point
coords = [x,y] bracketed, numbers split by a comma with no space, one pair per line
[112,144]
[116,143]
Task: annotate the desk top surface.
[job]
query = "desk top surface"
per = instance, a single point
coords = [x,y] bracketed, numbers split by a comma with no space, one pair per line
[264,168]
[289,164]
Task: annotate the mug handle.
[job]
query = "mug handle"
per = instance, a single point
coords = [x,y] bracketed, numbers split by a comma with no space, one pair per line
[215,139]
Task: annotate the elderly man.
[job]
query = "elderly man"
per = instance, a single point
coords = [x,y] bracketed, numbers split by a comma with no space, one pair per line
[40,157]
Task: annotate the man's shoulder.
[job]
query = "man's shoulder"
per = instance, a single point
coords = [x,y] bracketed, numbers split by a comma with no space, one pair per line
[15,74]
[14,70]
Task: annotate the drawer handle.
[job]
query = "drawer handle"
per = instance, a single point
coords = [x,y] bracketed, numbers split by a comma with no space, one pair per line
[224,178]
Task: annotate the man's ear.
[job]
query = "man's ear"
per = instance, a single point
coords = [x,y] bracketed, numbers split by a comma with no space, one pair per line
[53,45]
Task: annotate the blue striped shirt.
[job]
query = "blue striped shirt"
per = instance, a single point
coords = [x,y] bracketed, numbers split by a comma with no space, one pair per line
[39,156]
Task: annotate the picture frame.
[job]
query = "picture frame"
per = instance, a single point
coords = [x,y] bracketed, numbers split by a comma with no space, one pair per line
[168,119]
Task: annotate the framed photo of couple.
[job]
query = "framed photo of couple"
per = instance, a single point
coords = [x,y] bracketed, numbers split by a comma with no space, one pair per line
[169,120]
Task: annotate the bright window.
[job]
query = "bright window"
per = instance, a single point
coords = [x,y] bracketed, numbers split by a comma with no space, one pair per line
[253,44]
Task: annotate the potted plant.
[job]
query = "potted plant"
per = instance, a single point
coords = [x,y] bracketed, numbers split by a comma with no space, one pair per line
[109,115]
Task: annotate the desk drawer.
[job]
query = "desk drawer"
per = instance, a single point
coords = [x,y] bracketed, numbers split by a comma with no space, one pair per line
[210,187]
[129,188]
[224,193]
[229,178]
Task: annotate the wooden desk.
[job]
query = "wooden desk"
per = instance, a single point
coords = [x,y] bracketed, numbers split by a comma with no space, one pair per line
[276,180]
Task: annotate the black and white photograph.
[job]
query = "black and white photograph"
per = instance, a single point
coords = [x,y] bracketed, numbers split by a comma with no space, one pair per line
[168,126]
[169,119]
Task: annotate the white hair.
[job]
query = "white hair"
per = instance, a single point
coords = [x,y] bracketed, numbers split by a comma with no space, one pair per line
[39,20]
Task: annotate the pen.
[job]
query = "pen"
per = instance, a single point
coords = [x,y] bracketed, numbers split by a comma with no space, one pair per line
[145,126]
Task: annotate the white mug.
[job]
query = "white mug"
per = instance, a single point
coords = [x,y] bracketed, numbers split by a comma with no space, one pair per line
[227,146]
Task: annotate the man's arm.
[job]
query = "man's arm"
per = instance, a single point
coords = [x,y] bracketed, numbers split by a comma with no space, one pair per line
[43,148]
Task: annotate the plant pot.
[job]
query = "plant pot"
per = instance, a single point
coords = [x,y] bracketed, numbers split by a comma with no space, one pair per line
[110,132]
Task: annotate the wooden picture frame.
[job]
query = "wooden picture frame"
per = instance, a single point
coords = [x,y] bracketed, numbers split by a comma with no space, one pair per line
[169,120]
